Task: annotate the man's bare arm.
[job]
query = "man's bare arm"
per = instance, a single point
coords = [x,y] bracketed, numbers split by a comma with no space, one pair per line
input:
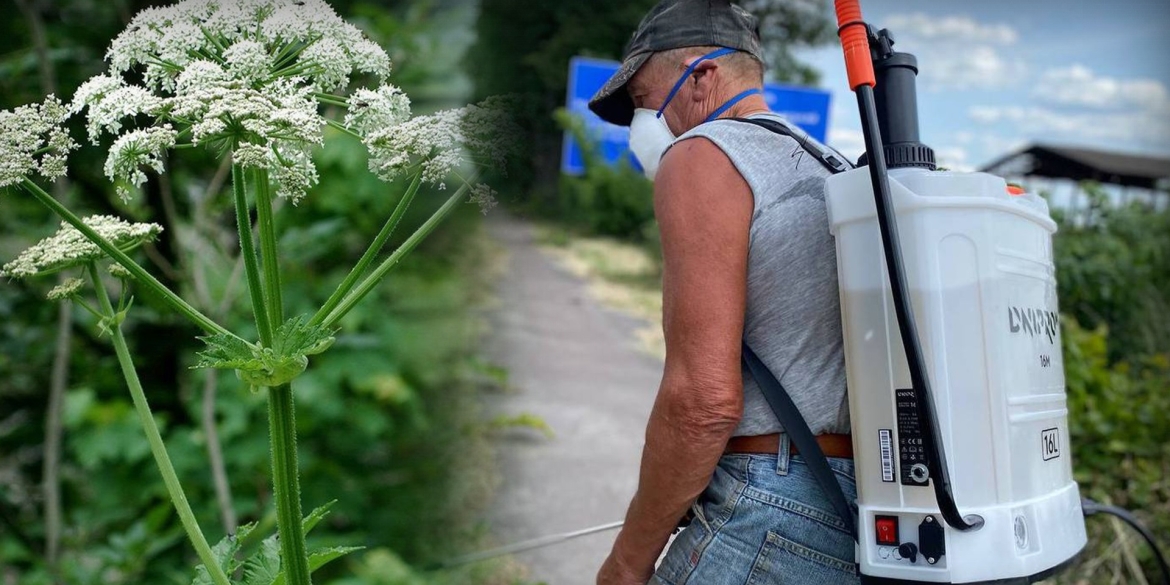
[704,210]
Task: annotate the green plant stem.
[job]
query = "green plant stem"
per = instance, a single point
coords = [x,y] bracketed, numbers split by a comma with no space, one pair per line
[371,253]
[248,253]
[343,128]
[371,281]
[157,447]
[143,277]
[268,257]
[282,430]
[282,426]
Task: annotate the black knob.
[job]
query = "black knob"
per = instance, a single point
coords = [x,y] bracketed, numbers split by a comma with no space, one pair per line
[909,551]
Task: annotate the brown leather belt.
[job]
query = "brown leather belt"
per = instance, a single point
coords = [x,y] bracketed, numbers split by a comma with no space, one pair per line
[832,445]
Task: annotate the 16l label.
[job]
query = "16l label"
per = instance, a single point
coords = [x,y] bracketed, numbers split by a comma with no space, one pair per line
[1050,443]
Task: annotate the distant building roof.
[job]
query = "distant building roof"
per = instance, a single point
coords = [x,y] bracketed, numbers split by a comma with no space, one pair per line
[1080,164]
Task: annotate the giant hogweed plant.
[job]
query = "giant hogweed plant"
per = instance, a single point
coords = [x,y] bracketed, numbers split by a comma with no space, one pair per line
[251,80]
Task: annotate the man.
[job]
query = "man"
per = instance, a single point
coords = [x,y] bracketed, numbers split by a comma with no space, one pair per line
[747,255]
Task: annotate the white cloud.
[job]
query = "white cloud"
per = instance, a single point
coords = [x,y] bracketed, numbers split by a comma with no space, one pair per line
[953,158]
[958,52]
[956,29]
[1128,129]
[1077,85]
[849,141]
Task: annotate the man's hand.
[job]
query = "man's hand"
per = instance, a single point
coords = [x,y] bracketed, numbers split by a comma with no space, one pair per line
[704,210]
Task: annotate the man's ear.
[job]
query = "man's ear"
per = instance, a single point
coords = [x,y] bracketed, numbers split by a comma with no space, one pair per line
[703,78]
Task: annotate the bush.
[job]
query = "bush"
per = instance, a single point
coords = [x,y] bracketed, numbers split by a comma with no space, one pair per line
[607,200]
[1113,275]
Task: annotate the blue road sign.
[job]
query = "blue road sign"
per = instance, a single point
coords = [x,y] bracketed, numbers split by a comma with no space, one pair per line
[805,107]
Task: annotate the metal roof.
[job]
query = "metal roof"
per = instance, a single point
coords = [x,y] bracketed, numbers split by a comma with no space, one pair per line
[1079,164]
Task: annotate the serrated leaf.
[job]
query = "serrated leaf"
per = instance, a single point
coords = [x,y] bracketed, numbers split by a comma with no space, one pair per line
[315,517]
[272,366]
[227,352]
[321,557]
[263,567]
[224,553]
[299,337]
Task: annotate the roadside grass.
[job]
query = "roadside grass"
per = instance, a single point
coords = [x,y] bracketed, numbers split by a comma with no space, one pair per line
[621,275]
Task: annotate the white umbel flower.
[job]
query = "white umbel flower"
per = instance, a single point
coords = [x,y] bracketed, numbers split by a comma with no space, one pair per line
[248,61]
[238,75]
[443,142]
[371,110]
[167,39]
[134,150]
[68,247]
[483,196]
[65,290]
[33,140]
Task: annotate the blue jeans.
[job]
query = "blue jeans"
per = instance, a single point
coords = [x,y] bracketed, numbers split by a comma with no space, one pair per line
[763,520]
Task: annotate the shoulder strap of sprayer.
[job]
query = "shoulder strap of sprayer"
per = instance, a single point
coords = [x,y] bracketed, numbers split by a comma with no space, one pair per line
[831,159]
[801,435]
[786,412]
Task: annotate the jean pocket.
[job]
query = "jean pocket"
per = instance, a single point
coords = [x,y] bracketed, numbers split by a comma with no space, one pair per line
[684,552]
[785,562]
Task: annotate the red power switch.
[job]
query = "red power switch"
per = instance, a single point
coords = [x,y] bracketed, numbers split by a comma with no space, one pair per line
[886,528]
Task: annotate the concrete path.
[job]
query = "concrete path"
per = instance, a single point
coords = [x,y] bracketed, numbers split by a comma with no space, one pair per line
[576,365]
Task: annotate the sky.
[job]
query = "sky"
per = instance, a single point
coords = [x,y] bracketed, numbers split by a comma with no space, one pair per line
[995,75]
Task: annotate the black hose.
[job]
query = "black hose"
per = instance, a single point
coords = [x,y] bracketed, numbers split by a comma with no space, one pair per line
[891,245]
[1090,508]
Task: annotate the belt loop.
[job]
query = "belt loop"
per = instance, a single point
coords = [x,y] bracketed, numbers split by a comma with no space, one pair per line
[782,455]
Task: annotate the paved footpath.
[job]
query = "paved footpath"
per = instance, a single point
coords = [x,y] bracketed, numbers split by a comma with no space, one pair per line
[575,364]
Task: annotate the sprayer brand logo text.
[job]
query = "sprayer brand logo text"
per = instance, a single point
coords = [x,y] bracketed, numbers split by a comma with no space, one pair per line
[1034,322]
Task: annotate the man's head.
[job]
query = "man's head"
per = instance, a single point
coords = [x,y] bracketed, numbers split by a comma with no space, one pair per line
[673,35]
[709,83]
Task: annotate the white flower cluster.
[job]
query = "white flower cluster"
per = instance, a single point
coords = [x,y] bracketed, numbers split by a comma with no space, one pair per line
[241,75]
[65,290]
[110,102]
[68,247]
[443,142]
[483,196]
[303,34]
[33,140]
[372,110]
[136,149]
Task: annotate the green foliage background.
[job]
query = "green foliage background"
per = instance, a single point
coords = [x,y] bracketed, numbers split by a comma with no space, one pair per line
[387,420]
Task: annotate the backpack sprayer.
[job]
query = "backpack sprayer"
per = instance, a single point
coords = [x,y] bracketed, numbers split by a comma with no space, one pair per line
[969,303]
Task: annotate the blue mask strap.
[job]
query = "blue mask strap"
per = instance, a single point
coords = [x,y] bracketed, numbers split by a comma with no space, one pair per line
[732,102]
[691,69]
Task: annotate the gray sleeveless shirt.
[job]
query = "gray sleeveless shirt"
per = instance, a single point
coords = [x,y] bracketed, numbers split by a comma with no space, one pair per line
[793,317]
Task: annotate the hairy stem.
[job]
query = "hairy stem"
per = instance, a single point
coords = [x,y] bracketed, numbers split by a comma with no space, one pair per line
[282,425]
[268,258]
[282,429]
[248,253]
[371,281]
[140,274]
[371,253]
[157,447]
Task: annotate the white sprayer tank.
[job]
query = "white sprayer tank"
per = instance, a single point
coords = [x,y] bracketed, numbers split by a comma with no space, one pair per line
[982,282]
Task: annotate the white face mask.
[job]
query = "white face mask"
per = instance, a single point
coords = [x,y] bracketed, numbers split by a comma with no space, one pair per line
[649,139]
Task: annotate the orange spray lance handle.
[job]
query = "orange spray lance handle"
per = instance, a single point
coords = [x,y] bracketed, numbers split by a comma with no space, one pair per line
[855,43]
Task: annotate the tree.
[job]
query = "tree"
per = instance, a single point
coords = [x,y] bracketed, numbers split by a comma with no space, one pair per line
[524,47]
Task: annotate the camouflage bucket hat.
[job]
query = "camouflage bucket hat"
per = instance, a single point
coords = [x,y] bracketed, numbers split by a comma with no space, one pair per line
[674,24]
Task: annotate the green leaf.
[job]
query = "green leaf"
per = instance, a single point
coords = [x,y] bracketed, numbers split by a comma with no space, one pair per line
[315,517]
[224,552]
[263,567]
[321,557]
[294,340]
